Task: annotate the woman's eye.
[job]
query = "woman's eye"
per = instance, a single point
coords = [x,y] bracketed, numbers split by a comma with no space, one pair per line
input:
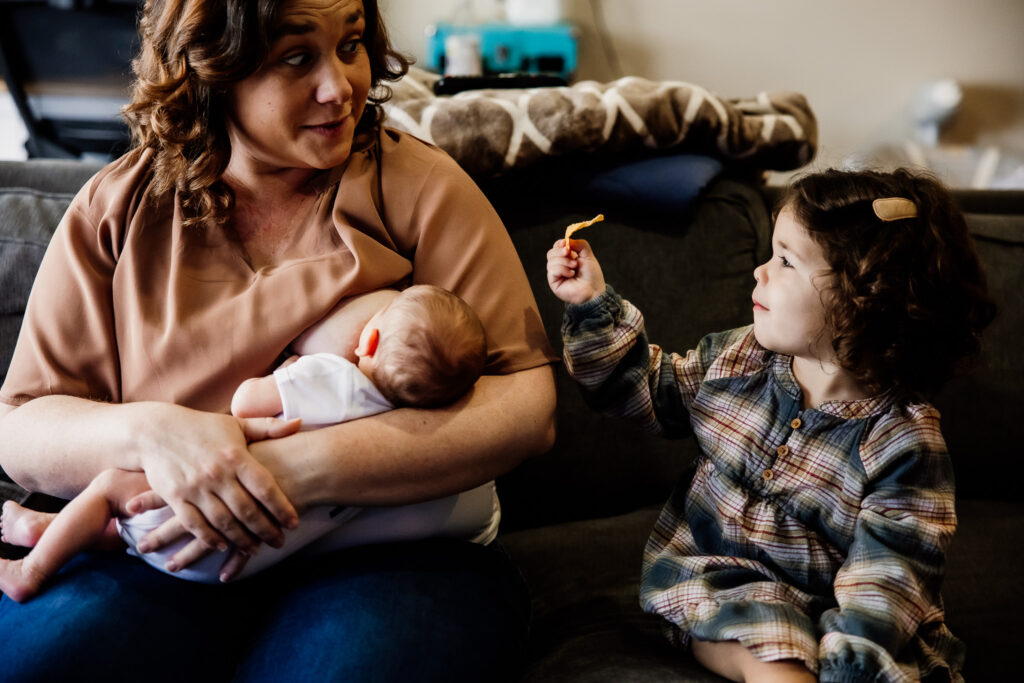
[296,59]
[350,46]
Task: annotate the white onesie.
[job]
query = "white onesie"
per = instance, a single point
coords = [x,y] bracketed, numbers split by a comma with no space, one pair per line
[325,389]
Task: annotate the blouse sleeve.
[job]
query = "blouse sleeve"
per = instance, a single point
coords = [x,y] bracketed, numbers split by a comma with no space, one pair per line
[888,588]
[456,240]
[67,342]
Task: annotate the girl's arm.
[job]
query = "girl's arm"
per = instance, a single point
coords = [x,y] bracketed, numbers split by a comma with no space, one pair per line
[888,588]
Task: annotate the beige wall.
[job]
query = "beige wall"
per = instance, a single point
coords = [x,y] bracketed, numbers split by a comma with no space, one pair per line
[859,62]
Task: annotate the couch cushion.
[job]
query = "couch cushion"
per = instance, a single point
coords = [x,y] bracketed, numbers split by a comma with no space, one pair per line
[689,272]
[27,219]
[584,580]
[982,418]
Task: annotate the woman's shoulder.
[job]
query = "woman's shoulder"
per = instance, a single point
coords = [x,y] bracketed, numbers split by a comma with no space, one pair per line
[403,153]
[120,178]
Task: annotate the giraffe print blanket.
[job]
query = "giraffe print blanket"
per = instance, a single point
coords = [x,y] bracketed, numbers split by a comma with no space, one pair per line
[491,131]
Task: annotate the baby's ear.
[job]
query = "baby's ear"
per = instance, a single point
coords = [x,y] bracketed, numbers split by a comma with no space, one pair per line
[372,339]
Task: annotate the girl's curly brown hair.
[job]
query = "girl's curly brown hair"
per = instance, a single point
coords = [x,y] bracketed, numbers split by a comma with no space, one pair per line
[908,298]
[192,51]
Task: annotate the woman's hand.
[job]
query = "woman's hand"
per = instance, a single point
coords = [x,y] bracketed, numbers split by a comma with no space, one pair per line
[199,463]
[574,274]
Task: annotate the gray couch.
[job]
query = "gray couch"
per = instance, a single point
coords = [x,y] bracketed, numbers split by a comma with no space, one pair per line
[576,519]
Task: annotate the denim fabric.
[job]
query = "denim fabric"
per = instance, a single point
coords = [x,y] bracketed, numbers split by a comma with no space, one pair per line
[426,611]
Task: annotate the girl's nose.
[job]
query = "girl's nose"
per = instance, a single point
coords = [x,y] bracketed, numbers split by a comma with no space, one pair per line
[333,86]
[759,273]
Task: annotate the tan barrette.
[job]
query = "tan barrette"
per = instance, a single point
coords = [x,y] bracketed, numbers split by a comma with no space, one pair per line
[894,209]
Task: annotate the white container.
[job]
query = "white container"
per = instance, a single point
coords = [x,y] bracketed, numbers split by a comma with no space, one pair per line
[462,55]
[527,12]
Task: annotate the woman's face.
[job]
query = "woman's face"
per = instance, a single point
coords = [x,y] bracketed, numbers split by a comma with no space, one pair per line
[301,108]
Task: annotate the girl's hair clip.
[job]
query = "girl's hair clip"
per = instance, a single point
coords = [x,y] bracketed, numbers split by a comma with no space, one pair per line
[894,209]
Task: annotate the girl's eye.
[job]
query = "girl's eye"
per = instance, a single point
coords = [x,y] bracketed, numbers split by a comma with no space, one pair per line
[785,262]
[296,59]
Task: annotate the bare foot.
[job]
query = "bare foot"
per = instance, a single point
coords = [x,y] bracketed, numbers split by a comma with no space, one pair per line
[21,526]
[19,582]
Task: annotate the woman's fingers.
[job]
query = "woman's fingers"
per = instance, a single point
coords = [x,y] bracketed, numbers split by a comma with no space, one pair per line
[261,428]
[258,481]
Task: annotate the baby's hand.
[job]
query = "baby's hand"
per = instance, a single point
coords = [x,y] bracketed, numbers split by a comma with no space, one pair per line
[574,274]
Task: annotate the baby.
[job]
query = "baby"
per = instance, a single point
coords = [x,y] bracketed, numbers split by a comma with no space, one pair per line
[422,347]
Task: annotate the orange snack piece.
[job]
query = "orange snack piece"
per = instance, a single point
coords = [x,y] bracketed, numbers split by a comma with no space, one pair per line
[579,226]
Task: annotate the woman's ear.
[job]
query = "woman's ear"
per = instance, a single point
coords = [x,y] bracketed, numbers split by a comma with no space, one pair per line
[371,340]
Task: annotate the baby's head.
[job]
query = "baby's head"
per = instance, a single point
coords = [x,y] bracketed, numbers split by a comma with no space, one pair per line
[425,349]
[905,296]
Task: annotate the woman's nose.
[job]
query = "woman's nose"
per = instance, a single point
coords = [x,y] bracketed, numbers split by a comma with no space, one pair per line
[333,85]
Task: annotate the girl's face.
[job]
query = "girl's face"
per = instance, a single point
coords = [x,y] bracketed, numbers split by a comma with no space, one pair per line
[301,108]
[789,315]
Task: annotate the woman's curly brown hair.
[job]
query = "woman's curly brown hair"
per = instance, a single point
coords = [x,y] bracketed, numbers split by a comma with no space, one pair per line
[192,51]
[908,298]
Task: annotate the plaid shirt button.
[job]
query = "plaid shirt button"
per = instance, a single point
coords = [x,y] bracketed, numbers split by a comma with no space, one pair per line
[795,424]
[782,450]
[767,475]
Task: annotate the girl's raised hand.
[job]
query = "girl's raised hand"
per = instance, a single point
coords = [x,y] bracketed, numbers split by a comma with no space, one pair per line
[574,274]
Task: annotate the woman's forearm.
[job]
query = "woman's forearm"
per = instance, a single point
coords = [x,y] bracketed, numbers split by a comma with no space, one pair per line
[57,444]
[407,456]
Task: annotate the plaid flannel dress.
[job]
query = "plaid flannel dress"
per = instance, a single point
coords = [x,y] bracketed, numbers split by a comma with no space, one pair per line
[809,534]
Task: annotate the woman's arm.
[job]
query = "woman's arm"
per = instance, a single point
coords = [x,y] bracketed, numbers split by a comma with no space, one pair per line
[198,462]
[408,455]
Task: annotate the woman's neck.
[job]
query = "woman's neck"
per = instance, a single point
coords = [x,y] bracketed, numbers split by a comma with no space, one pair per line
[822,381]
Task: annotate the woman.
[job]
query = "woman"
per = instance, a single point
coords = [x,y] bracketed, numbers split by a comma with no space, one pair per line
[260,192]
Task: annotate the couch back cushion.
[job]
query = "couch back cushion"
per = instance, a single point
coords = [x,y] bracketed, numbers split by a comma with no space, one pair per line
[983,406]
[689,271]
[33,198]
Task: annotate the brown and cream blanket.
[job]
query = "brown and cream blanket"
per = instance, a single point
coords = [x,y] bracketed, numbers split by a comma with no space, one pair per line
[491,131]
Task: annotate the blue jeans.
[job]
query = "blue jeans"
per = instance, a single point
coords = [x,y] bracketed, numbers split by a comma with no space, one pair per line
[437,610]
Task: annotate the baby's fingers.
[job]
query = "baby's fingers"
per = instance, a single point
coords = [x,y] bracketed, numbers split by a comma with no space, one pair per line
[164,535]
[193,551]
[234,566]
[147,500]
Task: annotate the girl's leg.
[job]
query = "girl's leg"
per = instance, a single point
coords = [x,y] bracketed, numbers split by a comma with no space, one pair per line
[22,526]
[83,522]
[435,610]
[731,660]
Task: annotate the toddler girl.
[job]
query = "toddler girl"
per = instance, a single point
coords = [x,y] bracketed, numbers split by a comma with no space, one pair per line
[810,542]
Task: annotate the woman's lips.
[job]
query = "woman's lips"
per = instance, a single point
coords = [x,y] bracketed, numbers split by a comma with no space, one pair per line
[329,129]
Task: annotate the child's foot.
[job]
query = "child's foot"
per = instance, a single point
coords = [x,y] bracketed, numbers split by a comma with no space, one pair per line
[18,582]
[21,526]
